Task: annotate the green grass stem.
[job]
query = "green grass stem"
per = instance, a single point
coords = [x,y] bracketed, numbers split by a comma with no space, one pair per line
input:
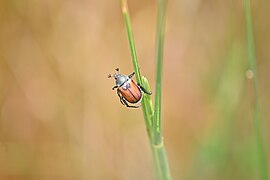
[257,118]
[152,117]
[159,59]
[136,68]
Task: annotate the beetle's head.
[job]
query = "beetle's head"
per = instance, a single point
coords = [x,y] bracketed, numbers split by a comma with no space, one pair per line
[119,78]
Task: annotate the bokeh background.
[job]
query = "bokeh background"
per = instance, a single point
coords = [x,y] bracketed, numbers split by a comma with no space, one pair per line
[60,120]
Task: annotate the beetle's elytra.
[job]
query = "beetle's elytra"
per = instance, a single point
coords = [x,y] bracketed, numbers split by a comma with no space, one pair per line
[127,89]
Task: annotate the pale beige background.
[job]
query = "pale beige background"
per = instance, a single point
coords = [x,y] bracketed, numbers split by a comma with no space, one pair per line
[60,119]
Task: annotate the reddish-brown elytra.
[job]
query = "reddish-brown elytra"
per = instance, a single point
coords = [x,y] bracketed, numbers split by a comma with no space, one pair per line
[127,89]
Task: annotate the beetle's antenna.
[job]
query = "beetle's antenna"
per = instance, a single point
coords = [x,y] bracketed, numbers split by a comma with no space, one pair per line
[131,75]
[110,75]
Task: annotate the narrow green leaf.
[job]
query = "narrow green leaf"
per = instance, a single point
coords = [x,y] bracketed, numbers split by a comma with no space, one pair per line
[257,118]
[152,119]
[159,60]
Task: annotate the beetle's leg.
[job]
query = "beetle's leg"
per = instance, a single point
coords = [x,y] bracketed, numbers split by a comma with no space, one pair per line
[144,90]
[120,97]
[131,75]
[122,101]
[114,87]
[128,104]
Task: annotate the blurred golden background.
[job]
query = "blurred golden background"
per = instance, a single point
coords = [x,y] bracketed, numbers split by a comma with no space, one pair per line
[60,120]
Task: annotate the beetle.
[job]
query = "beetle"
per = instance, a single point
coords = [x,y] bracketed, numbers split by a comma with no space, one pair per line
[128,91]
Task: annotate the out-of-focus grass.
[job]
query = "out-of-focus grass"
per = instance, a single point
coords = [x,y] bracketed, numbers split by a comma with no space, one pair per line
[220,147]
[256,110]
